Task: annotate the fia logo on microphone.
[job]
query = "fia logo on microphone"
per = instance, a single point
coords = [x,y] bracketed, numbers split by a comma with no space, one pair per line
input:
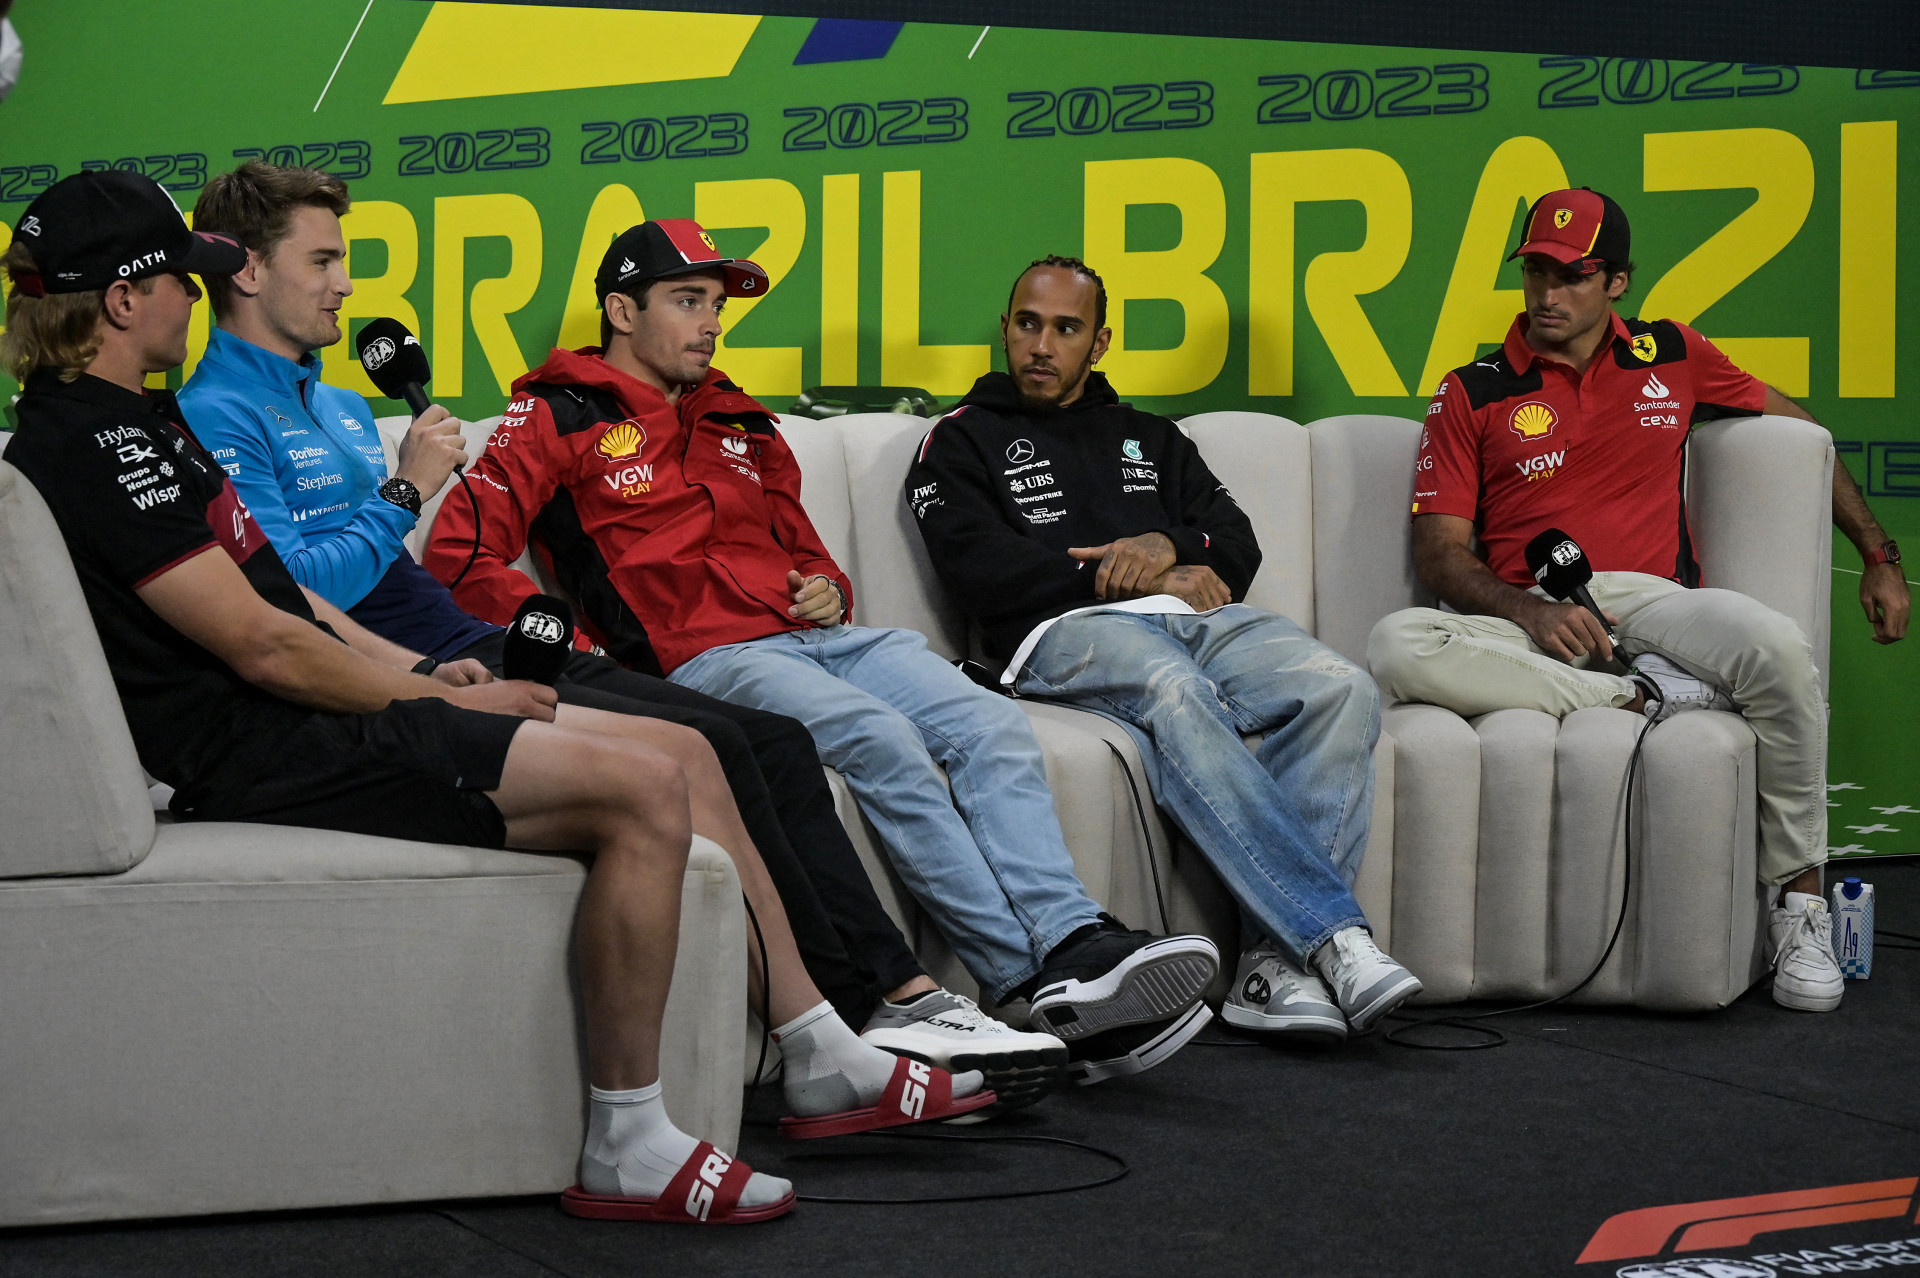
[378,352]
[543,627]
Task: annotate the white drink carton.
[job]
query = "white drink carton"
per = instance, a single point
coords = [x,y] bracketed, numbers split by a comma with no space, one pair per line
[1853,928]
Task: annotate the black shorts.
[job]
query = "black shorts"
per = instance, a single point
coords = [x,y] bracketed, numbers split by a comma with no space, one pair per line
[416,770]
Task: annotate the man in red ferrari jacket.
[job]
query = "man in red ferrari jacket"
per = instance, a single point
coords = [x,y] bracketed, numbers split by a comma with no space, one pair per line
[667,504]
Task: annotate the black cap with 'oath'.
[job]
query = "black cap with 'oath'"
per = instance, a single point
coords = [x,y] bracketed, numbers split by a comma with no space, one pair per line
[93,228]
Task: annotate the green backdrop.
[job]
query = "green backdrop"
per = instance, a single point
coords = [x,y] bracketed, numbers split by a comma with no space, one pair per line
[1296,228]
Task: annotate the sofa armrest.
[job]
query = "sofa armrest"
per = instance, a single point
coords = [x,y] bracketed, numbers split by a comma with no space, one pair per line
[1760,503]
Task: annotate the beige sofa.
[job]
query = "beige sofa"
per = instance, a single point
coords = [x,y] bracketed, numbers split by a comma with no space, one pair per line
[209,1017]
[213,1018]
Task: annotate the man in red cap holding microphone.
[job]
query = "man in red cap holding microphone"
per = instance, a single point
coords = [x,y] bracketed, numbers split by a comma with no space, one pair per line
[1579,422]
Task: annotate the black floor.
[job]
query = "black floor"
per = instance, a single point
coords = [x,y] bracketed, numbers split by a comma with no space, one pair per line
[1369,1160]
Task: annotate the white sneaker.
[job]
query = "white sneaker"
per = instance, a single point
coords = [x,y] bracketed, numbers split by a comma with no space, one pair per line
[1669,689]
[1806,976]
[950,1031]
[1271,995]
[1367,983]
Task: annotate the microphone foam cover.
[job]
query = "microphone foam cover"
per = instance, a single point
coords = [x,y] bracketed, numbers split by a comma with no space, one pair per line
[392,357]
[1558,563]
[539,643]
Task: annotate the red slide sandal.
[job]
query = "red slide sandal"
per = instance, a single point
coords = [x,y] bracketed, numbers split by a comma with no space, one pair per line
[917,1093]
[705,1191]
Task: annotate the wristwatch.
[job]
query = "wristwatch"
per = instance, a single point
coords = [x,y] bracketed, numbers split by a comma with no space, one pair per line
[402,493]
[1887,552]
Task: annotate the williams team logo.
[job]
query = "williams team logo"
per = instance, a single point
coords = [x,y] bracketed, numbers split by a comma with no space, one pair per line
[1020,450]
[1645,347]
[1132,450]
[1561,217]
[1533,420]
[621,441]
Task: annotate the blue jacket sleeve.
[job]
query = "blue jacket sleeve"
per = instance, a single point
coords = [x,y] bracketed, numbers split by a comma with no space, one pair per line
[341,565]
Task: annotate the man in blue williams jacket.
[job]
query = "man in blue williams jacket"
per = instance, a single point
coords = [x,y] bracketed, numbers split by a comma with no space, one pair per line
[308,462]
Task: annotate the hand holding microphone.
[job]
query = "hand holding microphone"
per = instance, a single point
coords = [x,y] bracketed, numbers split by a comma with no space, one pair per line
[1563,571]
[433,447]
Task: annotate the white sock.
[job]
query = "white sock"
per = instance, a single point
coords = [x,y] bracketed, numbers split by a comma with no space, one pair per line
[830,1070]
[633,1149]
[1796,902]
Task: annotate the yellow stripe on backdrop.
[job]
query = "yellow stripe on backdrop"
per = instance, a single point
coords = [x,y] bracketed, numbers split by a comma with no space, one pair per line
[487,50]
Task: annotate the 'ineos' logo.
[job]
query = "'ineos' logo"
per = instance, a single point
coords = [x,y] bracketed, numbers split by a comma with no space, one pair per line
[1020,450]
[378,352]
[543,626]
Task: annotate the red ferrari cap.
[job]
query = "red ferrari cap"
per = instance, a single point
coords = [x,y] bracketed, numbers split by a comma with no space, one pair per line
[1572,226]
[672,246]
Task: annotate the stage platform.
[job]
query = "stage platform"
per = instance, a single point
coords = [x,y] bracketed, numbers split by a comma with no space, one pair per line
[1244,1159]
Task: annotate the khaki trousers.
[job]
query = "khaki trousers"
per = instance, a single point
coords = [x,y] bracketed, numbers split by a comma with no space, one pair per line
[1474,665]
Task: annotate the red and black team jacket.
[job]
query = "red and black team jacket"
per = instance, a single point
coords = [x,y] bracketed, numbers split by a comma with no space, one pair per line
[673,526]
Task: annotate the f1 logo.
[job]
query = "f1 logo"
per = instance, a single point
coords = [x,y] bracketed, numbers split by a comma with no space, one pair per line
[1735,1222]
[700,1197]
[913,1097]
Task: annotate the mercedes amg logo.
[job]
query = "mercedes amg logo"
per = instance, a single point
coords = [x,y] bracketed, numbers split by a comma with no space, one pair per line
[1019,451]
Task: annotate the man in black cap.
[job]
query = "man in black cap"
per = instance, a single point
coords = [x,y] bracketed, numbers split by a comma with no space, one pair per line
[670,507]
[260,702]
[1579,422]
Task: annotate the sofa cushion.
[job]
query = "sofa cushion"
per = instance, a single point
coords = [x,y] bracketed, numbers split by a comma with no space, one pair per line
[1266,462]
[71,785]
[1362,544]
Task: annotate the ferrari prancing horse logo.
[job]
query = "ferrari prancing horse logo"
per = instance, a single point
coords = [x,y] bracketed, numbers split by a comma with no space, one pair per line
[1561,217]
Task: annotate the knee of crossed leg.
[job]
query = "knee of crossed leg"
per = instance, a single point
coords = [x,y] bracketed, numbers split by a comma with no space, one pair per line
[1782,657]
[1396,646]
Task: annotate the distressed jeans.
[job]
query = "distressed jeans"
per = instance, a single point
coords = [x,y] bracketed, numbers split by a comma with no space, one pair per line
[989,863]
[1285,824]
[1473,665]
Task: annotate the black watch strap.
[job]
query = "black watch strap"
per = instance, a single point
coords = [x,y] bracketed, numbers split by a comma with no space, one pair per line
[402,493]
[425,666]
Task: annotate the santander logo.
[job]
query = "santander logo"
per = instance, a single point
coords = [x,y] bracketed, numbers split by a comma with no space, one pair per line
[1654,388]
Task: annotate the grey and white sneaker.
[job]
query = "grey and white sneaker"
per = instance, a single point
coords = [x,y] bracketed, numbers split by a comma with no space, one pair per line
[950,1031]
[1132,1049]
[1366,982]
[1806,976]
[1104,977]
[1272,996]
[1669,689]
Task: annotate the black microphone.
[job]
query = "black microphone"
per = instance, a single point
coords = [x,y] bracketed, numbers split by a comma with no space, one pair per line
[1563,571]
[539,643]
[393,359]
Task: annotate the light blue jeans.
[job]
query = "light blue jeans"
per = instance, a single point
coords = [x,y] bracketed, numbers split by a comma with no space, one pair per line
[1284,825]
[888,715]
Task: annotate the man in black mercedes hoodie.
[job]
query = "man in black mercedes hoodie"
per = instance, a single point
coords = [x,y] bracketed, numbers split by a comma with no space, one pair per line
[1102,560]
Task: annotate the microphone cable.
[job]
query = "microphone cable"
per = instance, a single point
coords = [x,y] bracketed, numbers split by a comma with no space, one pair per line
[1496,1038]
[460,473]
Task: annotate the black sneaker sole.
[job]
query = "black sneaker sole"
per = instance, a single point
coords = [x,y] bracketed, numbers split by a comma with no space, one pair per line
[1154,983]
[1019,1079]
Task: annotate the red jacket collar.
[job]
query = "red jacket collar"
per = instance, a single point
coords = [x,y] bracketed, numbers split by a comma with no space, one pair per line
[1521,355]
[714,396]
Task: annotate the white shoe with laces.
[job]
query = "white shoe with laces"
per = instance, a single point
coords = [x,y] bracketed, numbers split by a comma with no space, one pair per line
[949,1030]
[1670,690]
[1272,996]
[1806,976]
[1367,983]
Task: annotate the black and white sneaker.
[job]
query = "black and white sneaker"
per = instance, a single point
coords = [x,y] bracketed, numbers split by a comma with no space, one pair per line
[1132,1049]
[950,1031]
[1104,977]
